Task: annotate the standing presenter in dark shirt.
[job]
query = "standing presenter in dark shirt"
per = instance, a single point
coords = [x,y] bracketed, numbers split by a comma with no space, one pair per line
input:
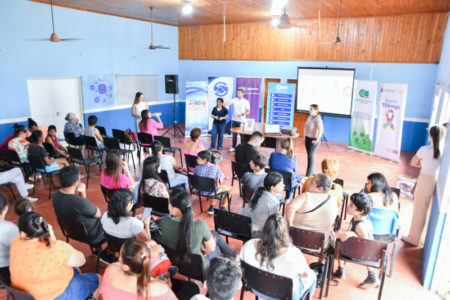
[220,115]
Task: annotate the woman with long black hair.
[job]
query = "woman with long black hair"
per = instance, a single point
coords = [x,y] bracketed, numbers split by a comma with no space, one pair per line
[380,192]
[313,133]
[428,159]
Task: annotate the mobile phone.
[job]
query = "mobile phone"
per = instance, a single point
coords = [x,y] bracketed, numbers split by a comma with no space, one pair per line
[147,212]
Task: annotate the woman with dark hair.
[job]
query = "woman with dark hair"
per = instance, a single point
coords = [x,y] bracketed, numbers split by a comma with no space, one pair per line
[264,202]
[8,232]
[193,146]
[36,149]
[220,116]
[138,106]
[45,267]
[286,161]
[151,182]
[131,277]
[312,133]
[116,221]
[10,137]
[32,126]
[148,125]
[112,176]
[168,164]
[186,235]
[428,159]
[19,143]
[380,192]
[274,252]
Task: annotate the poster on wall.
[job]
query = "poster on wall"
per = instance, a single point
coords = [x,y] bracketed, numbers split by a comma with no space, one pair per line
[98,91]
[218,87]
[252,88]
[363,115]
[391,113]
[280,104]
[197,109]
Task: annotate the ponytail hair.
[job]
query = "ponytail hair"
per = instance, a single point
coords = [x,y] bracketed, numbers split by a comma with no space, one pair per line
[271,179]
[34,226]
[136,255]
[31,123]
[181,199]
[144,118]
[35,136]
[18,129]
[156,147]
[436,134]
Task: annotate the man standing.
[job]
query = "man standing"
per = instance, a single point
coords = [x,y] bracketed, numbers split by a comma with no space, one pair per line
[241,108]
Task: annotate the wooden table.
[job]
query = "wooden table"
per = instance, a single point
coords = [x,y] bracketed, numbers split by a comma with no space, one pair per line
[270,140]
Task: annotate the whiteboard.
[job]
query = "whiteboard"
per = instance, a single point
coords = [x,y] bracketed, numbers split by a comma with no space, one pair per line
[128,85]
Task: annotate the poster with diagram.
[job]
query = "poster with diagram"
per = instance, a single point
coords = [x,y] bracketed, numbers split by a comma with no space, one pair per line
[98,91]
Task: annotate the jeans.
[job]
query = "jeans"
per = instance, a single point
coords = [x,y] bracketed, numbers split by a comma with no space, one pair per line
[80,287]
[236,124]
[221,248]
[310,151]
[217,131]
[136,190]
[15,176]
[179,179]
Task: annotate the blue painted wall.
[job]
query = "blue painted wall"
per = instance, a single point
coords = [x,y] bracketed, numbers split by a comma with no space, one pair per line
[419,77]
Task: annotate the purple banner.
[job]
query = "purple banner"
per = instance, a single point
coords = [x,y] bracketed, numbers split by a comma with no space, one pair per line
[252,94]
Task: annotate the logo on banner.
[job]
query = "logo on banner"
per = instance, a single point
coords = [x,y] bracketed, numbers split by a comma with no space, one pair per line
[389,119]
[281,87]
[220,89]
[363,93]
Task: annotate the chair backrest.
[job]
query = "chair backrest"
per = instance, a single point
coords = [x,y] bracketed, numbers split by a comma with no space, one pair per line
[114,243]
[120,135]
[239,169]
[339,181]
[107,193]
[70,138]
[238,226]
[13,294]
[145,139]
[191,161]
[362,250]
[75,153]
[165,141]
[308,240]
[202,184]
[36,162]
[102,130]
[12,157]
[159,205]
[164,176]
[269,284]
[248,194]
[74,230]
[111,143]
[191,268]
[384,221]
[287,177]
[50,149]
[90,142]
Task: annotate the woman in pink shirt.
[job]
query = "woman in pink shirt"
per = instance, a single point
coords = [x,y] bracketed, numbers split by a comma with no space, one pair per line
[112,177]
[149,125]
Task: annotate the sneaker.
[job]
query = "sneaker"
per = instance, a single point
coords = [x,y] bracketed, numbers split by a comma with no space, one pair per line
[340,273]
[408,241]
[31,199]
[231,149]
[211,210]
[29,186]
[370,281]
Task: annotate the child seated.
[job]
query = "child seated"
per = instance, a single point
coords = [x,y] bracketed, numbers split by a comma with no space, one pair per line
[52,139]
[359,207]
[253,181]
[92,131]
[21,206]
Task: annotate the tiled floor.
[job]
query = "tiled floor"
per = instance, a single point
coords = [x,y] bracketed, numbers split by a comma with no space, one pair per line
[406,280]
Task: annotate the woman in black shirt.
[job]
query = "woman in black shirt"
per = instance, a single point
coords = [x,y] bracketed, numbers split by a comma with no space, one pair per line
[220,116]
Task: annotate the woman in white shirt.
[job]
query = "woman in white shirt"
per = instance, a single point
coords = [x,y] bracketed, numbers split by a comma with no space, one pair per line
[313,133]
[138,106]
[274,252]
[428,159]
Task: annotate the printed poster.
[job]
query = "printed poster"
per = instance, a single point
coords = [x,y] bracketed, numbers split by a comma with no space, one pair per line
[197,109]
[280,104]
[98,91]
[219,87]
[252,88]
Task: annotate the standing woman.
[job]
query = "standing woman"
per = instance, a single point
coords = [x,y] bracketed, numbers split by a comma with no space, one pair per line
[428,159]
[138,106]
[220,116]
[313,133]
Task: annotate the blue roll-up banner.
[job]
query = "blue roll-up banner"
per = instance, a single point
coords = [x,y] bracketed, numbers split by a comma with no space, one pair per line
[219,87]
[197,109]
[280,104]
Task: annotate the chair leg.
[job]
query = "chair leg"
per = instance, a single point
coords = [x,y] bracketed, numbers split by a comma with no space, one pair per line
[50,186]
[392,258]
[87,175]
[383,275]
[242,291]
[12,192]
[181,159]
[200,200]
[329,273]
[229,201]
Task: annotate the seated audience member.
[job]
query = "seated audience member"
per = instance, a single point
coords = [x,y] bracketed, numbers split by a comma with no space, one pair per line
[73,125]
[92,131]
[359,207]
[45,267]
[70,206]
[112,177]
[10,137]
[19,143]
[205,168]
[51,138]
[223,279]
[274,252]
[149,125]
[286,161]
[264,202]
[8,232]
[168,164]
[193,145]
[116,221]
[151,182]
[131,277]
[330,166]
[186,235]
[21,206]
[315,210]
[380,192]
[245,151]
[251,181]
[32,126]
[36,149]
[15,176]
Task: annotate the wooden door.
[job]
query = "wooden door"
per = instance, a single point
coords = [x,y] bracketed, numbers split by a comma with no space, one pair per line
[299,118]
[266,87]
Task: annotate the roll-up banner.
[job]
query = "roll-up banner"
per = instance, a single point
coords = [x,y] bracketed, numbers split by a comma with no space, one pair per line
[280,104]
[252,88]
[219,87]
[391,113]
[197,109]
[363,115]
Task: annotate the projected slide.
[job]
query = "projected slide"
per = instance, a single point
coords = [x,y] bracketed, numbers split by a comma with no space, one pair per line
[331,89]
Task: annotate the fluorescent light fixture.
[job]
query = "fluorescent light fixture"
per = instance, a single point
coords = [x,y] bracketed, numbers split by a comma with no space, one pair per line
[187,9]
[275,22]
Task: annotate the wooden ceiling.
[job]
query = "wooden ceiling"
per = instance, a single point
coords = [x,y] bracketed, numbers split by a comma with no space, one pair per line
[245,11]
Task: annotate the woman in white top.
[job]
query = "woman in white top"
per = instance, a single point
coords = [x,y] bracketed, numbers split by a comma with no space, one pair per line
[380,192]
[138,106]
[428,159]
[273,252]
[313,133]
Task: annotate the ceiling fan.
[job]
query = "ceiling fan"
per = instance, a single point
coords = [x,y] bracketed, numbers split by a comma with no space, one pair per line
[152,45]
[284,21]
[337,40]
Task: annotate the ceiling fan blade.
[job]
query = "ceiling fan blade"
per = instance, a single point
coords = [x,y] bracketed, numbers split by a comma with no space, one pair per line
[70,40]
[162,47]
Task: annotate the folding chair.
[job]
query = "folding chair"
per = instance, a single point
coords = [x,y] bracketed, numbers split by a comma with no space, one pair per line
[112,143]
[14,160]
[91,144]
[192,268]
[159,205]
[107,193]
[191,162]
[77,158]
[248,194]
[238,170]
[206,187]
[102,131]
[165,141]
[38,165]
[123,139]
[114,243]
[145,140]
[51,150]
[71,139]
[232,225]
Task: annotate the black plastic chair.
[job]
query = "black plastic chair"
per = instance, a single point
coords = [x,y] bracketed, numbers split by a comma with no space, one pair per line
[38,166]
[107,193]
[191,162]
[238,170]
[145,139]
[192,268]
[91,144]
[248,194]
[112,143]
[159,205]
[14,160]
[77,158]
[313,243]
[165,178]
[114,243]
[71,139]
[287,180]
[51,150]
[76,231]
[9,185]
[13,294]
[165,141]
[269,284]
[183,289]
[206,187]
[129,146]
[102,131]
[232,225]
